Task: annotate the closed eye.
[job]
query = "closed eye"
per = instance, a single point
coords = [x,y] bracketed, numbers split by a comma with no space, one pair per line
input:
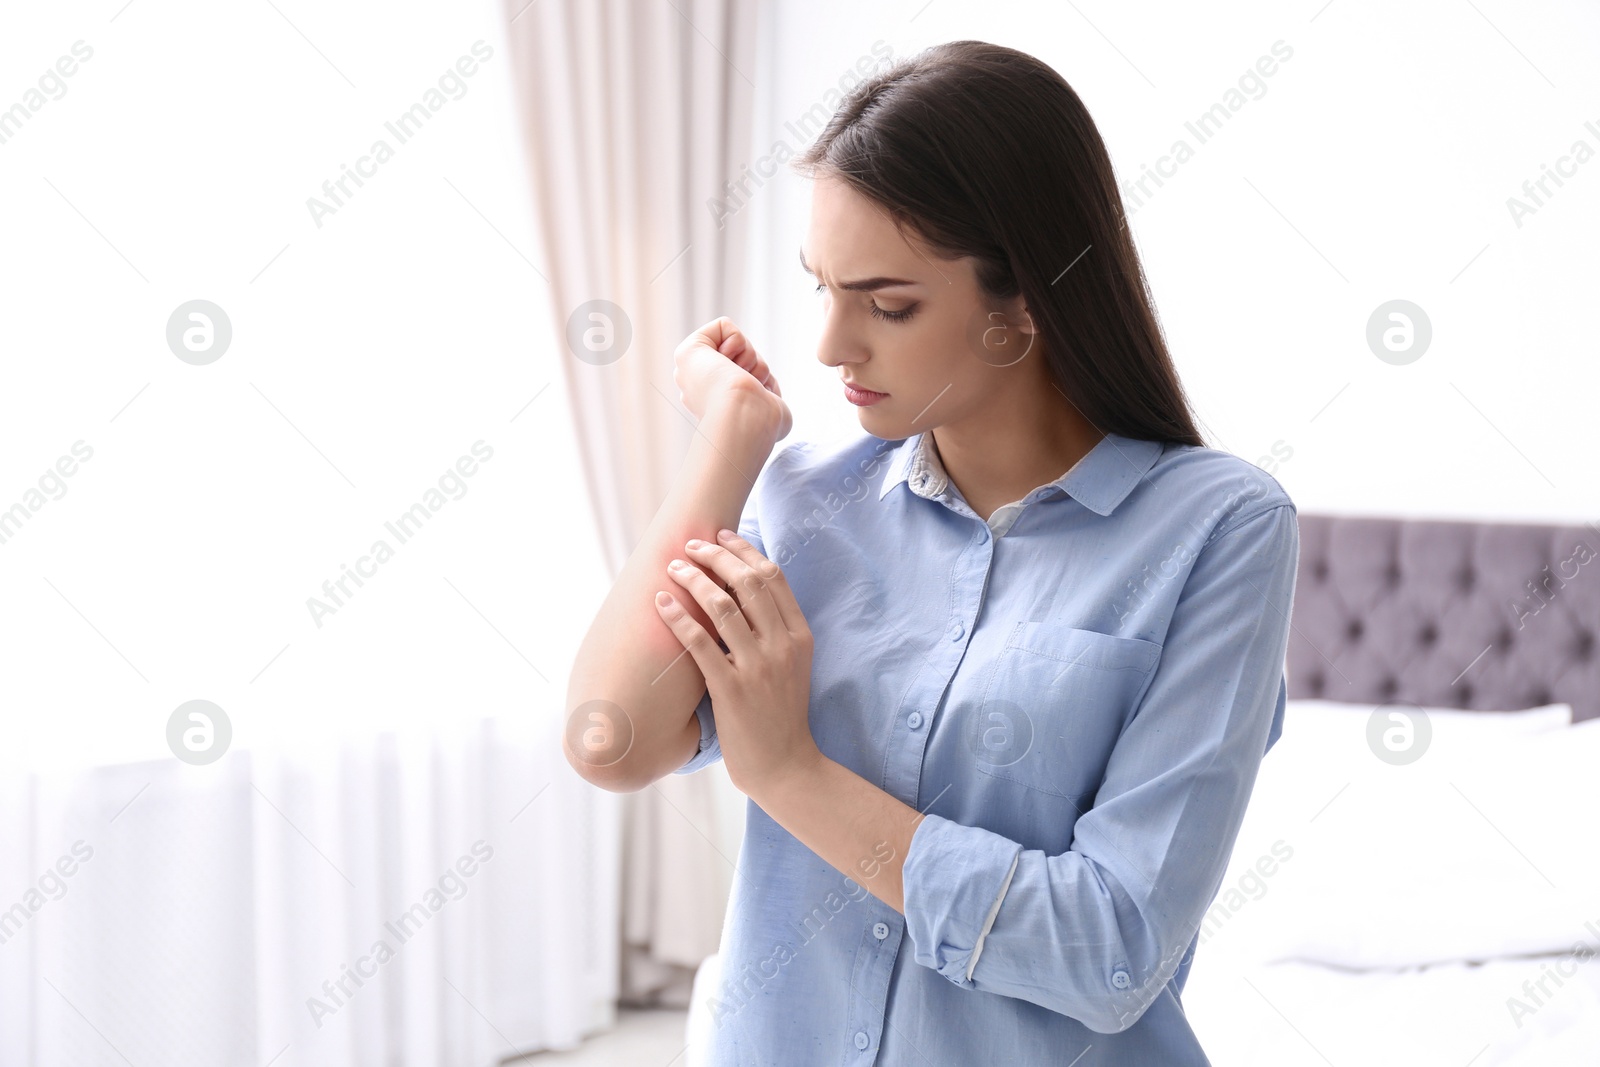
[882,313]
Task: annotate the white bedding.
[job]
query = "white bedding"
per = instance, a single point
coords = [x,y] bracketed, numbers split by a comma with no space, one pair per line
[1448,1014]
[1441,912]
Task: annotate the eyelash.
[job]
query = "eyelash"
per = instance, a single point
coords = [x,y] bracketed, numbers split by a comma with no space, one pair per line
[878,312]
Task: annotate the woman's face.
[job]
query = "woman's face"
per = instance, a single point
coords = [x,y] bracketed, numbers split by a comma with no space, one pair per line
[920,332]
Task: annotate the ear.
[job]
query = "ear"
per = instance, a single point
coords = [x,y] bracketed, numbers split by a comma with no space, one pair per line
[1019,317]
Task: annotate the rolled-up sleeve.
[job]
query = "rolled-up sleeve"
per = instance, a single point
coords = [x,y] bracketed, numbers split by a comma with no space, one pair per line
[710,750]
[1097,932]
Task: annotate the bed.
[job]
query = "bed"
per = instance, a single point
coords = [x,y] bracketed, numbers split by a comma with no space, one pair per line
[1412,884]
[1442,914]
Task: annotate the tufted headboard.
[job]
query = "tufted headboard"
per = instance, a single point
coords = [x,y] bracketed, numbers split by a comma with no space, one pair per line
[1484,615]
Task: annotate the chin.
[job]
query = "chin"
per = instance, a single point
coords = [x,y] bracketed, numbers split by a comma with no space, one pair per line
[885,429]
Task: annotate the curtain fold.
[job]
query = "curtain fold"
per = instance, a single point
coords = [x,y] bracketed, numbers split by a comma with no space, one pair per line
[433,896]
[634,116]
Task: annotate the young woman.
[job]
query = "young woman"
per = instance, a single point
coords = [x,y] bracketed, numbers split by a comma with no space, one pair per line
[998,674]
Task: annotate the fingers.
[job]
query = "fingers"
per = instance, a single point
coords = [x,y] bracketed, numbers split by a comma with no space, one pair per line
[774,586]
[719,606]
[722,335]
[746,583]
[716,331]
[763,374]
[711,660]
[737,347]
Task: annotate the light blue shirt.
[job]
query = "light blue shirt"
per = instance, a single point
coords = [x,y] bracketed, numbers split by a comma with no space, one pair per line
[1077,693]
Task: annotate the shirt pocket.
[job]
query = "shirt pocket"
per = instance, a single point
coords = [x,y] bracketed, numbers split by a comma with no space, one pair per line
[1056,702]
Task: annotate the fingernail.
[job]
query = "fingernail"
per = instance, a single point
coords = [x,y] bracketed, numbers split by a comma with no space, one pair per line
[662,600]
[725,535]
[696,543]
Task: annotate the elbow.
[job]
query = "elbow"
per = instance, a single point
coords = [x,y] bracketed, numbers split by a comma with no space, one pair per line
[1103,1015]
[1110,1011]
[600,743]
[1122,1007]
[614,776]
[1111,1004]
[616,784]
[1112,1016]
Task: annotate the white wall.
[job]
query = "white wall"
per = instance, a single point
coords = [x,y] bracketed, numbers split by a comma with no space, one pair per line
[1376,164]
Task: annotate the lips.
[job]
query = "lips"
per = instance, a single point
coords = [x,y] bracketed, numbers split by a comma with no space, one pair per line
[863,389]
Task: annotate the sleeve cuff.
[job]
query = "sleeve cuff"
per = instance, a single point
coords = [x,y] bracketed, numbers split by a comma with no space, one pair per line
[977,950]
[710,748]
[954,877]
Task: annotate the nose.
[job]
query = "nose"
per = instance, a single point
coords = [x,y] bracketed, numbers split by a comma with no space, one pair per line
[836,347]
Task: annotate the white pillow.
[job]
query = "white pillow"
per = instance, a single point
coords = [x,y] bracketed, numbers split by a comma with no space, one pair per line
[1323,759]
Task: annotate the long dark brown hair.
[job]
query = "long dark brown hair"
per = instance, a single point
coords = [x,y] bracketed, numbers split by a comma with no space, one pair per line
[987,152]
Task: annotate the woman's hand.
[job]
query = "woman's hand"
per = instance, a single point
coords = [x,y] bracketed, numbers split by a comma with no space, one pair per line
[761,687]
[717,359]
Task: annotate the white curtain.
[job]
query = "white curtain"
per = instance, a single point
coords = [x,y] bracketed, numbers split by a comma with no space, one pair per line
[232,914]
[157,912]
[635,115]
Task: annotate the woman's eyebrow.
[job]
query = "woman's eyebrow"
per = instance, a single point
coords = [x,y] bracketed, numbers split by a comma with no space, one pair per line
[865,285]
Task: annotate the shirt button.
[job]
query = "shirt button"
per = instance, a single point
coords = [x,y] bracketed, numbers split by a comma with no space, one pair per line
[957,631]
[1120,979]
[914,720]
[861,1039]
[880,930]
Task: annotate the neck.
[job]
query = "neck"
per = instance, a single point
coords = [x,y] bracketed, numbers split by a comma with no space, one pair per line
[1005,457]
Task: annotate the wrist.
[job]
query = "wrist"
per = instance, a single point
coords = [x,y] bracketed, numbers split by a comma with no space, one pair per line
[747,412]
[797,777]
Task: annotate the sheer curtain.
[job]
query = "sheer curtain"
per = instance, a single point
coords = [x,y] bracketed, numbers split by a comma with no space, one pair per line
[399,767]
[635,116]
[405,897]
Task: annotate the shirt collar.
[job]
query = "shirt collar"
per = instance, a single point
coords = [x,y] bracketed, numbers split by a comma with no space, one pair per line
[1099,481]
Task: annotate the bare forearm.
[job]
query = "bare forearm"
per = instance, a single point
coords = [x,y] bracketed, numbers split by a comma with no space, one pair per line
[861,830]
[629,657]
